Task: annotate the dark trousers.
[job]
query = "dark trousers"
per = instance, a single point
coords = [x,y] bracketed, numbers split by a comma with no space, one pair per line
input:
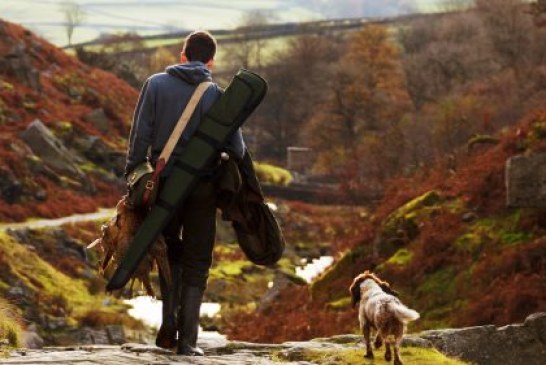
[191,233]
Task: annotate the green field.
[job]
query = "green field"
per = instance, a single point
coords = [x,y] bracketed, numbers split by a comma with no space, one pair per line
[156,16]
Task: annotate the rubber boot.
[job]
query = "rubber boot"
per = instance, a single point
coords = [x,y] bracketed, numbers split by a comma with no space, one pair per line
[170,295]
[188,321]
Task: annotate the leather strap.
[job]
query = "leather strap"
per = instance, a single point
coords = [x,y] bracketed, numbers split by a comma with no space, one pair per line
[183,122]
[173,139]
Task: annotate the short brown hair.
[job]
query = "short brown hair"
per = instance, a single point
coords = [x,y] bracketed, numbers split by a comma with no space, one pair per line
[200,46]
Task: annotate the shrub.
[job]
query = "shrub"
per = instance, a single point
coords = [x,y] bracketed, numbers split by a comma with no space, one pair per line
[97,318]
[270,174]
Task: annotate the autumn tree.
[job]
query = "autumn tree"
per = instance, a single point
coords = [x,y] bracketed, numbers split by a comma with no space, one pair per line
[442,54]
[366,99]
[248,51]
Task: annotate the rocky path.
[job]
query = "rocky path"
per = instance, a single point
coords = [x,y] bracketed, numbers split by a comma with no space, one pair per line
[218,351]
[523,343]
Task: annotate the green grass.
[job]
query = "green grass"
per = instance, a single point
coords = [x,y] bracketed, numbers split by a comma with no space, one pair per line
[10,324]
[409,355]
[499,232]
[53,286]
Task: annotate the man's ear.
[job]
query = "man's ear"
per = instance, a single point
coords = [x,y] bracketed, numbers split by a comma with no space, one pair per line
[210,64]
[183,58]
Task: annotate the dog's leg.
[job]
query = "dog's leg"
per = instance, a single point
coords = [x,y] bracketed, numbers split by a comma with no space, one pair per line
[378,340]
[397,360]
[366,331]
[388,354]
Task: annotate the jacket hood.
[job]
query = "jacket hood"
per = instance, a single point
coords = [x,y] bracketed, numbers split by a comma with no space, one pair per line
[191,72]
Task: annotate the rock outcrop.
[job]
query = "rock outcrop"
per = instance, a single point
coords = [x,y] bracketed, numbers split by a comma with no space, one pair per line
[523,343]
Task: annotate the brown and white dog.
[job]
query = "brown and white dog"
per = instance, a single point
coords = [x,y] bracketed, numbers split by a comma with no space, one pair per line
[381,310]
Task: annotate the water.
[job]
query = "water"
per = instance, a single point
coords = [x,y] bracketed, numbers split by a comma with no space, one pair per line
[148,310]
[314,268]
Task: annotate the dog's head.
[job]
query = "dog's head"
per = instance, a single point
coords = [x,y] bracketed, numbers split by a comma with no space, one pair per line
[355,291]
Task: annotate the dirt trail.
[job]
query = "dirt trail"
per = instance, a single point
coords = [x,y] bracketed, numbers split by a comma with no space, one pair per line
[48,223]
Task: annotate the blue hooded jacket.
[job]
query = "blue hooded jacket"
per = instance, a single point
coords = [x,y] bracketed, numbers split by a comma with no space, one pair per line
[162,99]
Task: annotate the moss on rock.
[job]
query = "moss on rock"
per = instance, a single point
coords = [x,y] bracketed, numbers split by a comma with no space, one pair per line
[401,258]
[340,304]
[401,226]
[352,356]
[323,284]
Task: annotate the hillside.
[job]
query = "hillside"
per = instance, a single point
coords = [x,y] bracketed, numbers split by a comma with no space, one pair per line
[73,165]
[444,239]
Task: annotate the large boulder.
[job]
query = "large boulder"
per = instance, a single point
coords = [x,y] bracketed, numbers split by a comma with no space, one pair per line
[100,153]
[99,119]
[523,343]
[53,152]
[17,63]
[526,181]
[11,189]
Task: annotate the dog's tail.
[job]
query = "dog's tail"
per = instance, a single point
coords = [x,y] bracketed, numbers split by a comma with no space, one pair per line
[403,313]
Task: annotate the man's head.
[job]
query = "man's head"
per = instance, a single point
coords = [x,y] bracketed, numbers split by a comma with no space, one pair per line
[199,46]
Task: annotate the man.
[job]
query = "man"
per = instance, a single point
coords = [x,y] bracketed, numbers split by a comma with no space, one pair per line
[191,233]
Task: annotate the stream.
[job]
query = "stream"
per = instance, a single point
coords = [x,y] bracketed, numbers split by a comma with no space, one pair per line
[148,309]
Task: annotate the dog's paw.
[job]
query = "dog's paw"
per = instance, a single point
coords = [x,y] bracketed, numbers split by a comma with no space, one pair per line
[388,356]
[369,355]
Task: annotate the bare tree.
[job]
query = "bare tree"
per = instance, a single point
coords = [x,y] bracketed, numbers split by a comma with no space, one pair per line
[509,27]
[74,16]
[444,53]
[296,86]
[248,51]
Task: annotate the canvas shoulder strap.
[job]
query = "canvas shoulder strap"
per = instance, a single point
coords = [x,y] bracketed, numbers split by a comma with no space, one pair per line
[182,123]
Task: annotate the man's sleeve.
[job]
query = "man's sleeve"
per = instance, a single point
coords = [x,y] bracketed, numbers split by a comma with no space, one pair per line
[140,137]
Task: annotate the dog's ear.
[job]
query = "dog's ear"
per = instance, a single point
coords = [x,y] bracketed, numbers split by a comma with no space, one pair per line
[387,289]
[355,290]
[355,294]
